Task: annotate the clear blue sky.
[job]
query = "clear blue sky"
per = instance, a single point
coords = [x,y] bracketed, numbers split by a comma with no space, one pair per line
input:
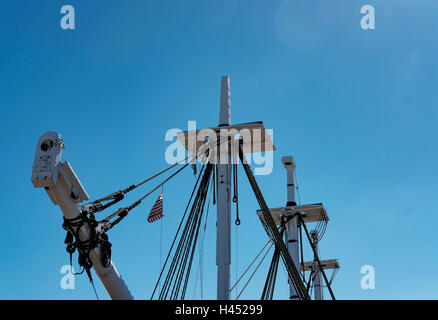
[357,109]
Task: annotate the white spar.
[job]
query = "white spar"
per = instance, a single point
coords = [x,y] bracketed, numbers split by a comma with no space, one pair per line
[223,241]
[66,191]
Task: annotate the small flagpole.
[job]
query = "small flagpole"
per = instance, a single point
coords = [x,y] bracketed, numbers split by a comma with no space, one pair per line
[161,235]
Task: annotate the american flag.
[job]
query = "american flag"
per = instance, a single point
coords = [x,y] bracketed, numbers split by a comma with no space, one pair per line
[157,210]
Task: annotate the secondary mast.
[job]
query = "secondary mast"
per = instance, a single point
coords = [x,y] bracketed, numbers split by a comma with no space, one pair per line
[291,227]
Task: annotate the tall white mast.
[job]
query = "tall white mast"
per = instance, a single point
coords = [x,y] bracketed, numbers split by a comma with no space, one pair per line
[291,234]
[223,244]
[257,140]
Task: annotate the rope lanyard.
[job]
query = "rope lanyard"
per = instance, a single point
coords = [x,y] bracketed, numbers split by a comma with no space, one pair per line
[235,187]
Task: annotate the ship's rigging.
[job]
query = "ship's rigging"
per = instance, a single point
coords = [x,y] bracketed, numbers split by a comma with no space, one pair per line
[88,235]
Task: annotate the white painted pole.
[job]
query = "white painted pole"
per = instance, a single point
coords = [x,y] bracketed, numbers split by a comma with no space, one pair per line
[63,187]
[223,244]
[317,276]
[110,277]
[291,230]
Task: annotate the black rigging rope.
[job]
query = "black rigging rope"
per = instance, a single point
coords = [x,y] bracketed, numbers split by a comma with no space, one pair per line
[320,227]
[274,234]
[214,184]
[253,261]
[255,270]
[177,232]
[301,248]
[268,289]
[117,196]
[175,284]
[310,280]
[106,223]
[191,246]
[334,273]
[315,254]
[200,270]
[123,212]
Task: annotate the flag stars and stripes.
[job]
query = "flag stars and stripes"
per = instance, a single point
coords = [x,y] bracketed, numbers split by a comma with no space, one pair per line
[157,210]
